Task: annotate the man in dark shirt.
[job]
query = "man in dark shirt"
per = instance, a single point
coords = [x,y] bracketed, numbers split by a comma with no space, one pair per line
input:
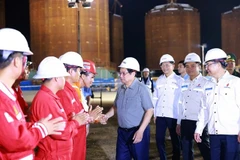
[231,61]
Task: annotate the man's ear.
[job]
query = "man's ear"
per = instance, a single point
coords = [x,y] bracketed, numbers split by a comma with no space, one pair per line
[17,61]
[70,71]
[83,76]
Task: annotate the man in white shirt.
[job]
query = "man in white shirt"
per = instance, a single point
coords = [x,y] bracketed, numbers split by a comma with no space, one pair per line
[165,101]
[189,107]
[221,108]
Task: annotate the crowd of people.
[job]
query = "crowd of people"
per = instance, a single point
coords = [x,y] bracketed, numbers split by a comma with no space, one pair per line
[55,126]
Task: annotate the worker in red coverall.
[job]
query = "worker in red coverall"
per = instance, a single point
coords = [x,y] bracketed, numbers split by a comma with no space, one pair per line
[52,70]
[86,79]
[71,103]
[17,137]
[17,89]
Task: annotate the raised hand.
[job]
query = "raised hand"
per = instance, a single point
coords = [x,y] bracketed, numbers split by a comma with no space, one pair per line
[96,113]
[82,118]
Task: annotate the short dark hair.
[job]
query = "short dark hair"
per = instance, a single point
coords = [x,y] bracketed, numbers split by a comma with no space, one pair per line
[5,62]
[68,67]
[222,61]
[85,73]
[181,62]
[131,70]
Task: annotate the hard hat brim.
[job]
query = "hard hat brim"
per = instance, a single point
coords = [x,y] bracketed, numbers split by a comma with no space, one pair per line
[39,76]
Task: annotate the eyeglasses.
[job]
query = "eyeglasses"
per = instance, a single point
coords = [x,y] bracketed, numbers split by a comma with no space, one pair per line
[209,64]
[24,61]
[123,73]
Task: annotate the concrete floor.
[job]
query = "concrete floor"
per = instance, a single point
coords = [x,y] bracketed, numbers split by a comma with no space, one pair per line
[101,140]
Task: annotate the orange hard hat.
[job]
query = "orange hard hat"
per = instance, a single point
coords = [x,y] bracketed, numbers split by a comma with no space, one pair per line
[89,66]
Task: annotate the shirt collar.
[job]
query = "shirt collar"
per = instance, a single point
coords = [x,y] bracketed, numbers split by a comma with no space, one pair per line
[132,85]
[225,75]
[69,86]
[46,89]
[196,78]
[8,91]
[170,76]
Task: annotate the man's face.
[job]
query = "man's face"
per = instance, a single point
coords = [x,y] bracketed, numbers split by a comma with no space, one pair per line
[167,68]
[88,79]
[22,61]
[145,74]
[192,69]
[75,74]
[125,76]
[181,68]
[212,67]
[231,65]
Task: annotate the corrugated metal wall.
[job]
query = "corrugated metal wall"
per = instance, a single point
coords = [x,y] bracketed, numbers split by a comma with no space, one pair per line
[2,13]
[231,32]
[54,30]
[94,29]
[117,52]
[176,32]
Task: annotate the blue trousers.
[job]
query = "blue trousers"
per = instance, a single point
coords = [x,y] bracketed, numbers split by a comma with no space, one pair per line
[126,150]
[187,131]
[224,147]
[162,123]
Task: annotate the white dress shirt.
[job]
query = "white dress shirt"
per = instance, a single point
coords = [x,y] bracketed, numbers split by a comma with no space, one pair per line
[166,96]
[190,98]
[221,106]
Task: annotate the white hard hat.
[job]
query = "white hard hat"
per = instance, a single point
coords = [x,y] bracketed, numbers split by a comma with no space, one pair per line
[145,70]
[130,63]
[215,53]
[166,58]
[72,58]
[12,40]
[51,67]
[192,57]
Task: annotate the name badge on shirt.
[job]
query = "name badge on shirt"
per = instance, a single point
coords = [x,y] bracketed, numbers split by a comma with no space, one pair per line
[207,89]
[198,86]
[185,86]
[227,86]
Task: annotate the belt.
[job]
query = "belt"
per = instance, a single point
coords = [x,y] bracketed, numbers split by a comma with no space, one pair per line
[129,129]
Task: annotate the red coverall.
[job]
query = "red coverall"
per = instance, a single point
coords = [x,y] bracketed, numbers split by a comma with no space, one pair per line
[71,104]
[23,104]
[53,147]
[17,137]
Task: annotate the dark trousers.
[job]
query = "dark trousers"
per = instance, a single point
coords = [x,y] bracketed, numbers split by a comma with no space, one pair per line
[126,150]
[224,147]
[162,123]
[187,131]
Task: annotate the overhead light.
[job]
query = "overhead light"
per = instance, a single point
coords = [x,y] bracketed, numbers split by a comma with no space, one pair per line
[72,4]
[86,5]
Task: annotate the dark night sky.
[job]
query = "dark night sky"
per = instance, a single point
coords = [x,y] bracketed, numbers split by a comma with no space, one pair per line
[133,11]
